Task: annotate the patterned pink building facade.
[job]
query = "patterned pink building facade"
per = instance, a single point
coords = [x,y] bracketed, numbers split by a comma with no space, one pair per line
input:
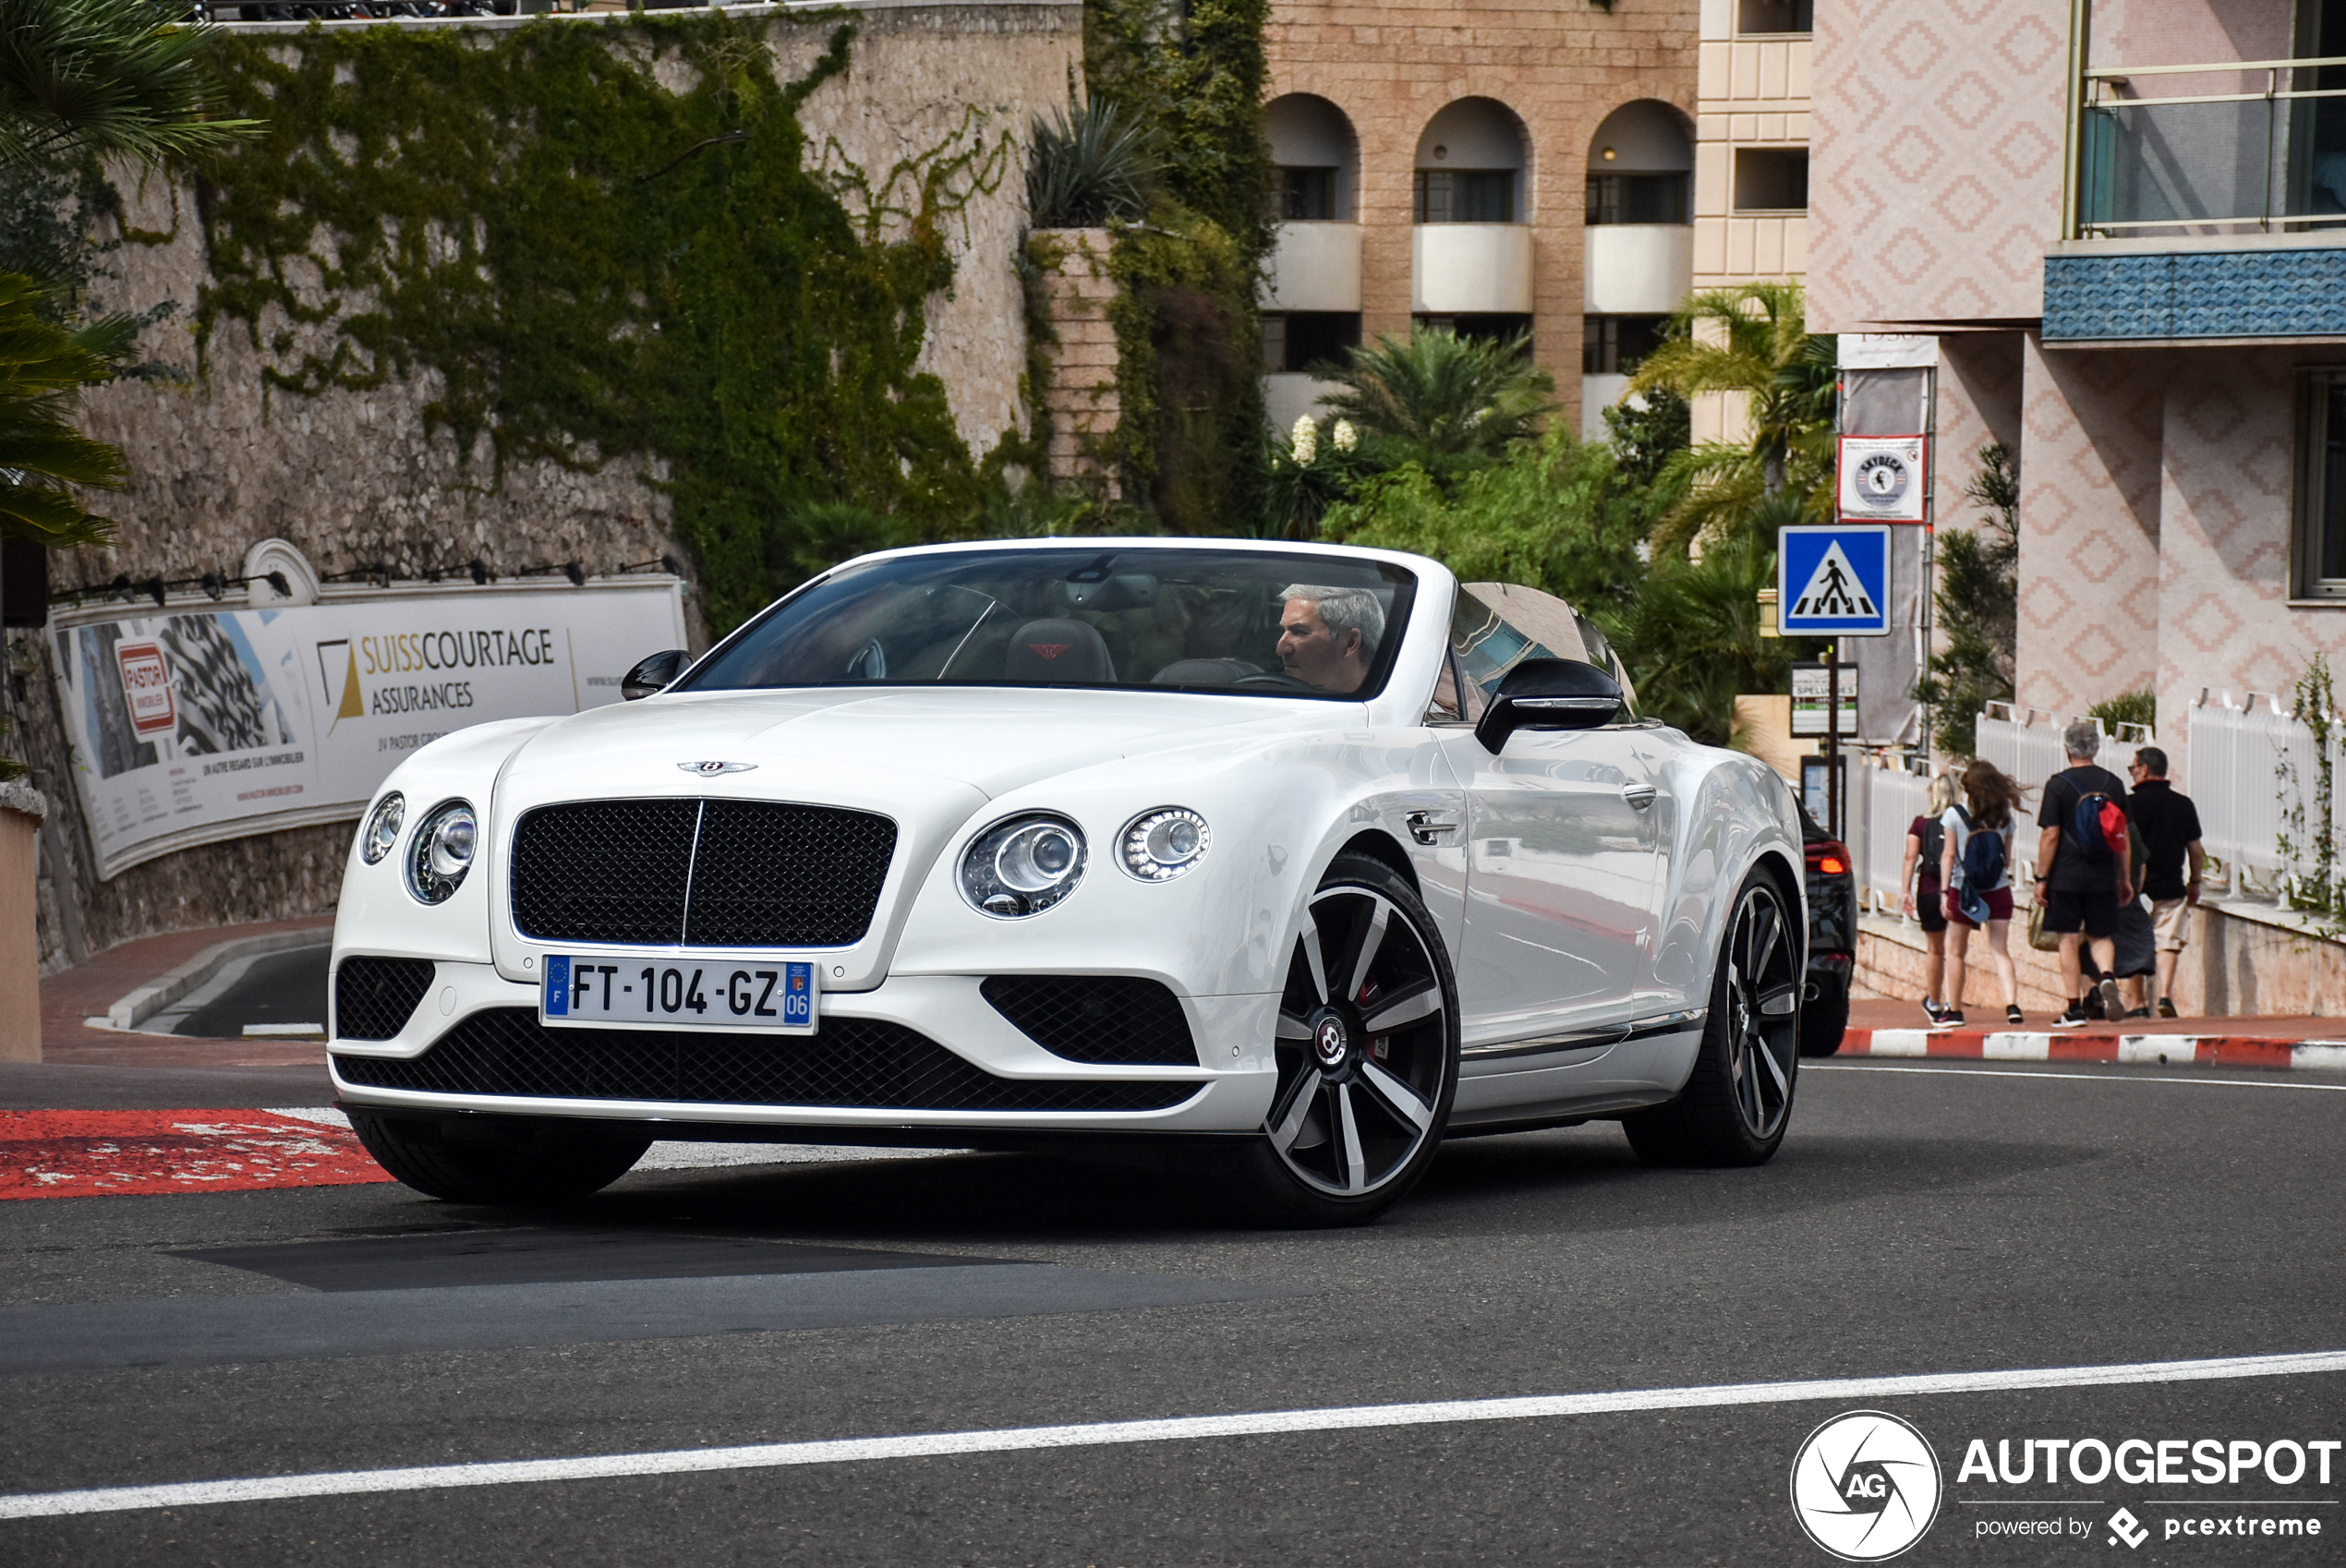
[2145,299]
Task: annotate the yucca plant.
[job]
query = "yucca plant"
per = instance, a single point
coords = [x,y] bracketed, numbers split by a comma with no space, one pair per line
[1092,163]
[1443,394]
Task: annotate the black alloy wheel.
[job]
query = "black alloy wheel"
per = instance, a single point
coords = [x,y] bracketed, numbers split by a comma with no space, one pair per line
[1738,1099]
[1367,1045]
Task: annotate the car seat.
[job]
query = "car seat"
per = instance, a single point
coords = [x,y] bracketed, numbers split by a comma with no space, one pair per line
[1058,653]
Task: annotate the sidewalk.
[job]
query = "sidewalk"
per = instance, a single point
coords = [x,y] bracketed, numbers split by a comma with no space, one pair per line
[86,990]
[1882,1028]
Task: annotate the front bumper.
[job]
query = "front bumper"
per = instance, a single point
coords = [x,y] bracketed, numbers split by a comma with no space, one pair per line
[952,1062]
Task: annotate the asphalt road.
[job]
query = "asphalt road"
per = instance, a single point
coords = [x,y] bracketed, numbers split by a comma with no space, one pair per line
[1938,1220]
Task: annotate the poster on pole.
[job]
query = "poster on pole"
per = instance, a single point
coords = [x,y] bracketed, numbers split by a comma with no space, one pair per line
[192,724]
[1882,479]
[1808,684]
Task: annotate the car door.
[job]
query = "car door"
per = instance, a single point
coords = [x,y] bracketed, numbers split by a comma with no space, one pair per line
[1561,878]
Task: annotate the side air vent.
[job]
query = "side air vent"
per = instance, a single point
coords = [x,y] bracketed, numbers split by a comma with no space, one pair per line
[375,997]
[1105,1019]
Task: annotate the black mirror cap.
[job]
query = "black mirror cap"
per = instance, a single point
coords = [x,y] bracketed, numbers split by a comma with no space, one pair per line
[1548,693]
[654,674]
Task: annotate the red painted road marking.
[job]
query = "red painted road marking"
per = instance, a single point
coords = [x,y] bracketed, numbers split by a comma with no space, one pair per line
[2171,1050]
[77,1153]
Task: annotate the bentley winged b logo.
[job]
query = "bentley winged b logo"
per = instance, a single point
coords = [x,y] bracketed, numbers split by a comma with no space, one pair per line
[711,769]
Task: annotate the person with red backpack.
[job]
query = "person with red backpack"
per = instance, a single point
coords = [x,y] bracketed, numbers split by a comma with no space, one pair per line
[2084,867]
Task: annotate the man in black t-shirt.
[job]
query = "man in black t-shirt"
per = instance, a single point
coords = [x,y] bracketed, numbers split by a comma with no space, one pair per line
[2079,883]
[2169,825]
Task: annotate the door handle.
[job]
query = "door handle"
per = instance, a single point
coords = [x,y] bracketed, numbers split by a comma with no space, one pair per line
[1428,827]
[1638,795]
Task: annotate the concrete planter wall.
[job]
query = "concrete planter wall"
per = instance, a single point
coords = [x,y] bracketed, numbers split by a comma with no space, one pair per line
[1081,394]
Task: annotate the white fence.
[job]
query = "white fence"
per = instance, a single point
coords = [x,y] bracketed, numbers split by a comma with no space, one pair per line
[1883,803]
[2253,773]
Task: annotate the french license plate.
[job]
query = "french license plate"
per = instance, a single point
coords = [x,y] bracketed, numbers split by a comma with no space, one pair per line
[774,996]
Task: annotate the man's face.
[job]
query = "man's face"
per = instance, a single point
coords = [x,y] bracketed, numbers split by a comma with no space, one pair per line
[1312,653]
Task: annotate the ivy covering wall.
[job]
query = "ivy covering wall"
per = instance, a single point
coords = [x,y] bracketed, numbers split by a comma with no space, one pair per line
[607,244]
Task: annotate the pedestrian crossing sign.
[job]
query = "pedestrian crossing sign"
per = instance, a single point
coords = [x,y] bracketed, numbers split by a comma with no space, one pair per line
[1833,580]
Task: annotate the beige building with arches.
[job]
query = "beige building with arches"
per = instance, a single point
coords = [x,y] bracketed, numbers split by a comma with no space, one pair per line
[1480,166]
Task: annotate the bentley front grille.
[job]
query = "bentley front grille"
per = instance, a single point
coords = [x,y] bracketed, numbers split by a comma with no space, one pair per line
[864,1063]
[699,873]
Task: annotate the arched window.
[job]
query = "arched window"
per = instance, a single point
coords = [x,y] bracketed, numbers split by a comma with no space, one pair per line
[1314,159]
[1641,164]
[1470,165]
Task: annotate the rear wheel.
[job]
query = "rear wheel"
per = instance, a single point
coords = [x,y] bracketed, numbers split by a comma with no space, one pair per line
[1368,1055]
[504,1163]
[1738,1099]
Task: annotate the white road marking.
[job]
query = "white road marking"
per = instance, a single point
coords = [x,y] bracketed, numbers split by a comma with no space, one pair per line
[2081,1076]
[930,1445]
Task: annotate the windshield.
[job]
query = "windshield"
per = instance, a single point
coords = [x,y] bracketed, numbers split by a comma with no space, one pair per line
[1251,622]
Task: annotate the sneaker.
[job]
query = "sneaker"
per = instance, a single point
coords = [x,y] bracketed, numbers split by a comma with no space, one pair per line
[1931,1010]
[2138,1012]
[2012,1016]
[2073,1019]
[2167,1006]
[1949,1018]
[2113,1006]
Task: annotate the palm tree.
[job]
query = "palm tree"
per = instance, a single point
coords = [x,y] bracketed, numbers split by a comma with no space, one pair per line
[1446,395]
[109,78]
[42,458]
[1752,339]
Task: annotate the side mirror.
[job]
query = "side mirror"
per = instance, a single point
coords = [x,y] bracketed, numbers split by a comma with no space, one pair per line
[654,674]
[1548,693]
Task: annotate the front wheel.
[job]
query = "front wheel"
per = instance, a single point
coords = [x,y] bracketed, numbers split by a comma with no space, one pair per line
[1368,1055]
[509,1164]
[1738,1099]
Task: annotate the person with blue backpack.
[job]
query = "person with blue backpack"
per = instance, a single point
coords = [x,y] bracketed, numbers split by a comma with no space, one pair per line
[1977,873]
[2084,868]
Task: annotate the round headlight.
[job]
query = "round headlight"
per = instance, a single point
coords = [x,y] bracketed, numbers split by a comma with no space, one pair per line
[444,852]
[1159,845]
[1023,866]
[381,829]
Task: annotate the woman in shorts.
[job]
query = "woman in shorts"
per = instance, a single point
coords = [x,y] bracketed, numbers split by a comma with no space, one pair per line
[1920,902]
[1992,799]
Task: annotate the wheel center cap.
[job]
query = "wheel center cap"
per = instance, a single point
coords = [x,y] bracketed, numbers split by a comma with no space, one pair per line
[1330,1042]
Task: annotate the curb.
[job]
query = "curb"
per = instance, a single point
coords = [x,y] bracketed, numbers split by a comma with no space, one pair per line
[2155,1050]
[136,1007]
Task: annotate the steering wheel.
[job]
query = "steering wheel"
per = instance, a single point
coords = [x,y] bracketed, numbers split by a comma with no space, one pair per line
[870,663]
[1278,679]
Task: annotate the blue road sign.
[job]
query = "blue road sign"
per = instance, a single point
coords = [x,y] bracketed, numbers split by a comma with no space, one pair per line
[1832,580]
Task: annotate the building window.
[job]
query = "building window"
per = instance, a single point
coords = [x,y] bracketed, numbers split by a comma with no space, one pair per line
[1772,179]
[2321,486]
[1481,329]
[1616,345]
[1301,341]
[1466,196]
[1760,16]
[1306,195]
[1638,199]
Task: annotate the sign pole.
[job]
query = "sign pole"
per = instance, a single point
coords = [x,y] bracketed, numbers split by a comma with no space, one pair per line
[1832,738]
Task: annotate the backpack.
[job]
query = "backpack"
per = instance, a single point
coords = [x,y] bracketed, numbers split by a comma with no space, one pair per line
[1934,850]
[2098,826]
[1983,861]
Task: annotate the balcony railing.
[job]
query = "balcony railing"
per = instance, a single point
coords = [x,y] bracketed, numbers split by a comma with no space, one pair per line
[2268,156]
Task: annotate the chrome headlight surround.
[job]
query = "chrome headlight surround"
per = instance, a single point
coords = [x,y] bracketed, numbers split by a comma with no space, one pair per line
[378,835]
[1163,842]
[442,851]
[1023,865]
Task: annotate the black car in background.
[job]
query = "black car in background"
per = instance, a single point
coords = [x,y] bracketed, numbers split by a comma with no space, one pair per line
[1833,938]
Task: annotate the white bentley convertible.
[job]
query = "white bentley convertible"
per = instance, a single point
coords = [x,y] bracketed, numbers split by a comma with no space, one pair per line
[1285,860]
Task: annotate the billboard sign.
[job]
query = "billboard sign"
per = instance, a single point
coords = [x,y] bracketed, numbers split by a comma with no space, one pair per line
[193,724]
[1882,479]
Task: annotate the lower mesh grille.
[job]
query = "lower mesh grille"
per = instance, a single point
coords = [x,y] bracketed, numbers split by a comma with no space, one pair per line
[864,1063]
[1108,1019]
[375,997]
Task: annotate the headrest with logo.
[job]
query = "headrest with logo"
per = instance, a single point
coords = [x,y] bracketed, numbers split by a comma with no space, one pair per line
[1058,653]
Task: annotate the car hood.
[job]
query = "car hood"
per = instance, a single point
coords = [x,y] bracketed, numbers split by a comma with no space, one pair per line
[830,744]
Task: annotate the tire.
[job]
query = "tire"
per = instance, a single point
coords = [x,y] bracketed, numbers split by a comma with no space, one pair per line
[1737,1101]
[1360,1110]
[1825,1020]
[514,1164]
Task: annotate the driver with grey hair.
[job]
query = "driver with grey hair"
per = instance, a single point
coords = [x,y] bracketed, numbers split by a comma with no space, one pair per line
[1328,636]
